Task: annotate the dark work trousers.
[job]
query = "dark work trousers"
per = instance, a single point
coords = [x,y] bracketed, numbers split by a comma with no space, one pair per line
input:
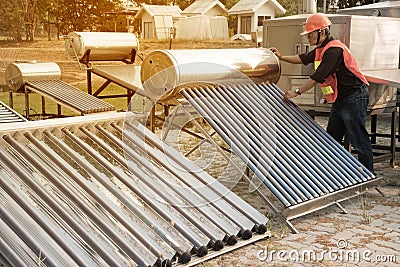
[348,116]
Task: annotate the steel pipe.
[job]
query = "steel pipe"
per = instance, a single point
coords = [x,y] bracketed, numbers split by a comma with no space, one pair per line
[308,143]
[334,146]
[150,219]
[142,236]
[8,242]
[26,236]
[318,144]
[58,237]
[316,187]
[58,209]
[238,148]
[193,196]
[138,257]
[263,152]
[124,179]
[216,188]
[285,138]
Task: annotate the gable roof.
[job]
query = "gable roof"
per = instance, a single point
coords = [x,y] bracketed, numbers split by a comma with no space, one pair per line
[157,10]
[251,6]
[201,7]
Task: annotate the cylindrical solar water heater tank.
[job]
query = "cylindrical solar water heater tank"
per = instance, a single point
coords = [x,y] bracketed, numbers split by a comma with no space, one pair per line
[162,71]
[17,74]
[106,46]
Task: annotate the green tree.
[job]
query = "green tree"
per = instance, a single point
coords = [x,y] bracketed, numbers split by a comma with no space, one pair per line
[290,6]
[12,15]
[80,15]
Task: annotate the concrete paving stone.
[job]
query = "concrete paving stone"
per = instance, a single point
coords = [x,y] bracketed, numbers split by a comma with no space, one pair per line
[388,246]
[395,236]
[375,248]
[346,234]
[394,215]
[377,223]
[350,217]
[297,237]
[324,229]
[392,225]
[360,231]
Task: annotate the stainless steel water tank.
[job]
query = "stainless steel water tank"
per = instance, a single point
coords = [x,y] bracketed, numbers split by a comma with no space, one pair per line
[102,45]
[164,70]
[17,74]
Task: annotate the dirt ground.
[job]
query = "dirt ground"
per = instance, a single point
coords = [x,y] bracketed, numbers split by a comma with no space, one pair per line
[318,230]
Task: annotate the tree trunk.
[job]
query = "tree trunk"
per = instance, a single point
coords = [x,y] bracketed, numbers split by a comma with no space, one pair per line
[30,19]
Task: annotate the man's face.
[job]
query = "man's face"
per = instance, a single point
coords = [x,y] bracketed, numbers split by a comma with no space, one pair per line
[312,37]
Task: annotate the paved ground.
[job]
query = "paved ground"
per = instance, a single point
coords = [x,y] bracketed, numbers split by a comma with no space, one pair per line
[368,235]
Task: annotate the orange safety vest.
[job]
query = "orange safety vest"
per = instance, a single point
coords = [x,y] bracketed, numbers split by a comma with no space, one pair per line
[329,87]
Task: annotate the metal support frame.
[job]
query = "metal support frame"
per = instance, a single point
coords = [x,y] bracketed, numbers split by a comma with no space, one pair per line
[129,93]
[391,155]
[86,60]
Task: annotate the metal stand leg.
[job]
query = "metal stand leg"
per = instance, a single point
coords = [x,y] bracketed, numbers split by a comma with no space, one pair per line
[344,211]
[10,99]
[393,138]
[170,122]
[380,192]
[276,211]
[374,120]
[27,107]
[89,81]
[152,117]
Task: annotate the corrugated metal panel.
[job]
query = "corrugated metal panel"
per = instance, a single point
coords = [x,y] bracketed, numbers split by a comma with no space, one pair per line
[86,191]
[8,115]
[69,96]
[292,155]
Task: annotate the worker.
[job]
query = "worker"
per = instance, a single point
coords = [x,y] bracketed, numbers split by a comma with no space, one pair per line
[342,84]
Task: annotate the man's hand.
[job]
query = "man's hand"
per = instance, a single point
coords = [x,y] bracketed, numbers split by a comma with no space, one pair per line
[289,94]
[276,52]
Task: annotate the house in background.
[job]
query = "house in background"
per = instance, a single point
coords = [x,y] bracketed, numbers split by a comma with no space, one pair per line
[205,8]
[252,13]
[157,22]
[205,20]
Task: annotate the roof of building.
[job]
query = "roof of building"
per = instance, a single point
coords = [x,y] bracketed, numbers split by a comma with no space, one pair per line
[201,7]
[251,6]
[157,10]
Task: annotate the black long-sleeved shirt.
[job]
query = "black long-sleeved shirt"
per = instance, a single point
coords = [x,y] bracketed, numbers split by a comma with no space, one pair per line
[333,62]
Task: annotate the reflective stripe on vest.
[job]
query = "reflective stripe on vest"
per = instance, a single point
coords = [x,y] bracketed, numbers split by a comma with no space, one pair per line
[326,90]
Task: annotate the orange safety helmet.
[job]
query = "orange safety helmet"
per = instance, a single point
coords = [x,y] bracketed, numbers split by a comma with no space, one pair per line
[316,22]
